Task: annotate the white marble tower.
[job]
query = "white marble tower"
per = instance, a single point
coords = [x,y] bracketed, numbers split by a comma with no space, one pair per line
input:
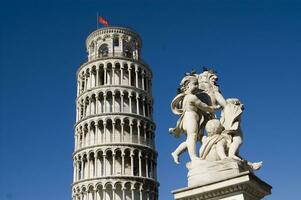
[114,156]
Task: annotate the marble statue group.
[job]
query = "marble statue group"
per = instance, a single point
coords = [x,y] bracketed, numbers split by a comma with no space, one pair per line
[197,103]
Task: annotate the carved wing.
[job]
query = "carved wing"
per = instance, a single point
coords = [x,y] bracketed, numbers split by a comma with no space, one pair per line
[176,104]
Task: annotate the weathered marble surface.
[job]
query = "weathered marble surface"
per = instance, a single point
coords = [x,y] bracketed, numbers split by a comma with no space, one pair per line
[202,172]
[242,186]
[217,170]
[197,103]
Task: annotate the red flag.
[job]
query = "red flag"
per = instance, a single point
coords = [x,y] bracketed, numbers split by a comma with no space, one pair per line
[103,21]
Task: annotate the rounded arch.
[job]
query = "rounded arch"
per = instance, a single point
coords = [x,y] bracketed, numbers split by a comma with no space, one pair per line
[108,185]
[103,50]
[90,187]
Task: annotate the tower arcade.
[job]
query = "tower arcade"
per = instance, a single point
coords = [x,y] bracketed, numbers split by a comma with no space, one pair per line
[114,155]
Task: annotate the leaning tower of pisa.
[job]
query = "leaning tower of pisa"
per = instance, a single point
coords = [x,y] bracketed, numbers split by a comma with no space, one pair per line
[114,156]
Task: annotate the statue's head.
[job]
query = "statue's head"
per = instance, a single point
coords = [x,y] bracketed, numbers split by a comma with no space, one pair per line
[189,84]
[214,127]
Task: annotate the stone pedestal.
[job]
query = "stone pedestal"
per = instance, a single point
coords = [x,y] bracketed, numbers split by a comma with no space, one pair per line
[201,172]
[242,186]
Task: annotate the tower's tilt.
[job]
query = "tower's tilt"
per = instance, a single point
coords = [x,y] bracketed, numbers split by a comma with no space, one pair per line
[114,156]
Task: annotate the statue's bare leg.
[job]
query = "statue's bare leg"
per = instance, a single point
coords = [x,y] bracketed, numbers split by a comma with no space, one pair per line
[180,149]
[191,145]
[234,146]
[191,126]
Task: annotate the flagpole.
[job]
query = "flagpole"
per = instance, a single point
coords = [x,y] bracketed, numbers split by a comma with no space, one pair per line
[97,21]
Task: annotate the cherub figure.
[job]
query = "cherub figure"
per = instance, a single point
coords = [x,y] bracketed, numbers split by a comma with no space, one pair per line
[217,144]
[214,145]
[192,113]
[231,120]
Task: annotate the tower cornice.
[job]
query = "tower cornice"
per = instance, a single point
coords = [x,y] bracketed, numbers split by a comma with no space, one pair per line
[112,30]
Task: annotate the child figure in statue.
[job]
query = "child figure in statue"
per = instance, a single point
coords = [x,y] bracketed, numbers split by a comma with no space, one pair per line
[193,112]
[215,144]
[231,120]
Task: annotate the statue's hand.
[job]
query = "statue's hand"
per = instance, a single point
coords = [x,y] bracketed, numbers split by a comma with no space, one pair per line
[217,107]
[214,108]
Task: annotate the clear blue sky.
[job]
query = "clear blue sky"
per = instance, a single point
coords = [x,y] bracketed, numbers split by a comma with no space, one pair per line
[254,45]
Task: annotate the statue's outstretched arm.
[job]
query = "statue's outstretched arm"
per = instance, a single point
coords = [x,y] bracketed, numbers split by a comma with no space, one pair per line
[220,99]
[203,106]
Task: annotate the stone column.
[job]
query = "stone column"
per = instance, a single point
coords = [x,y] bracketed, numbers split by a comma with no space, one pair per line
[84,109]
[96,165]
[89,135]
[113,97]
[121,75]
[122,164]
[143,74]
[121,102]
[75,141]
[113,75]
[97,77]
[113,163]
[86,82]
[151,168]
[130,103]
[96,133]
[137,76]
[91,79]
[140,166]
[114,193]
[96,104]
[123,193]
[101,165]
[78,175]
[104,196]
[82,169]
[131,132]
[104,132]
[88,167]
[141,193]
[89,106]
[129,71]
[96,195]
[138,130]
[113,131]
[143,107]
[74,170]
[132,163]
[122,131]
[104,164]
[104,103]
[132,191]
[137,104]
[76,116]
[146,166]
[105,75]
[144,127]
